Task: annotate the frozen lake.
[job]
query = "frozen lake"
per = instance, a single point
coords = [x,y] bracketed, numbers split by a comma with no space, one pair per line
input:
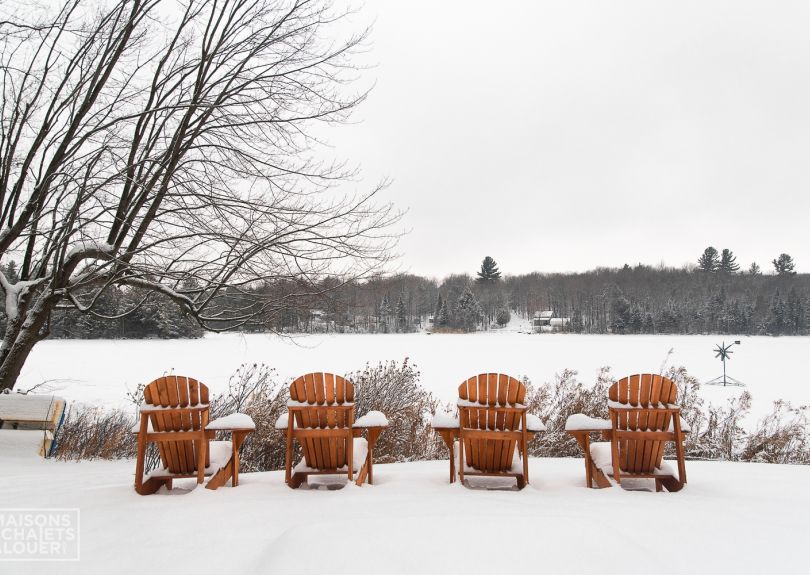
[101,371]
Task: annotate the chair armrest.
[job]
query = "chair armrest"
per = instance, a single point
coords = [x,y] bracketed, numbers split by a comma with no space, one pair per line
[137,427]
[232,422]
[534,424]
[444,421]
[283,420]
[371,419]
[582,422]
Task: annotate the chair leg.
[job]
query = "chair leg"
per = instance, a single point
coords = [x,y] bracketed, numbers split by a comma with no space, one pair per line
[139,465]
[350,454]
[460,458]
[202,445]
[614,449]
[586,447]
[524,448]
[288,455]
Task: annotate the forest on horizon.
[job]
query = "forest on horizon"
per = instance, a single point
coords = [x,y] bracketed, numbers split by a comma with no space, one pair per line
[641,299]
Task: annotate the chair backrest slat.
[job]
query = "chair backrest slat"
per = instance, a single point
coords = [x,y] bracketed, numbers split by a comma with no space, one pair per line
[323,393]
[642,391]
[177,391]
[488,391]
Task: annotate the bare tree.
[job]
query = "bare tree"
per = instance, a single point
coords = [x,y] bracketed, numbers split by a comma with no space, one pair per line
[171,146]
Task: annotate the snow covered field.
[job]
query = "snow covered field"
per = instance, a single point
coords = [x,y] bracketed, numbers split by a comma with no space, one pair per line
[731,518]
[100,372]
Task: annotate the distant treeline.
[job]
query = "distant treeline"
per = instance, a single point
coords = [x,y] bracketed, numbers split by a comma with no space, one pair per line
[628,300]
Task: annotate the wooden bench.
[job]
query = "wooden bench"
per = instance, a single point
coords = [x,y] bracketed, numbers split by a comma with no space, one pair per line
[33,412]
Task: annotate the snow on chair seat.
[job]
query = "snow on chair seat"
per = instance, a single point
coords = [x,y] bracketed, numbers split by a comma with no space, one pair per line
[219,453]
[175,416]
[602,457]
[321,417]
[359,454]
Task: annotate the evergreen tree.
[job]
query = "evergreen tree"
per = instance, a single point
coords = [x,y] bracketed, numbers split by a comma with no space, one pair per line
[709,261]
[503,316]
[728,263]
[489,271]
[754,269]
[385,312]
[577,325]
[443,317]
[402,319]
[620,313]
[649,324]
[11,272]
[784,265]
[468,312]
[437,310]
[778,314]
[794,312]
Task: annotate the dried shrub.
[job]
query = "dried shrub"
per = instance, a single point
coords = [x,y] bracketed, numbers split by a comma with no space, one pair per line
[554,402]
[254,390]
[95,433]
[394,389]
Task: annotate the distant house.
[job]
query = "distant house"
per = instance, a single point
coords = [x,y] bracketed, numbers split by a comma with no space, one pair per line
[544,322]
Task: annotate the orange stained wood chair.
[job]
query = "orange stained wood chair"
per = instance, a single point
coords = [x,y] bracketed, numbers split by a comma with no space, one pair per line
[321,417]
[175,416]
[493,428]
[644,416]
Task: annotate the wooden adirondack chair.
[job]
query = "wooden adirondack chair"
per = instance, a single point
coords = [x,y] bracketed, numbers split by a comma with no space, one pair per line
[492,427]
[175,415]
[321,417]
[644,417]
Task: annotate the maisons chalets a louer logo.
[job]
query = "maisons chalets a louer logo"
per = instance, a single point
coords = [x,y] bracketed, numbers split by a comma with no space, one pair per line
[28,534]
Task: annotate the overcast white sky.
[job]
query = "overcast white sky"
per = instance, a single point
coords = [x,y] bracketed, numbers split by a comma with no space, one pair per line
[560,136]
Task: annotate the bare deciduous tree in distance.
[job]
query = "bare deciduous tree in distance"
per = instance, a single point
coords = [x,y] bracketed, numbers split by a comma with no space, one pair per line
[170,146]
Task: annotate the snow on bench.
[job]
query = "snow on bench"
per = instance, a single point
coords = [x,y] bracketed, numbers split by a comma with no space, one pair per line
[31,412]
[43,410]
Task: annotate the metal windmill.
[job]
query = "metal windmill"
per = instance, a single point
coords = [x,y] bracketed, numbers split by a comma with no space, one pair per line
[724,352]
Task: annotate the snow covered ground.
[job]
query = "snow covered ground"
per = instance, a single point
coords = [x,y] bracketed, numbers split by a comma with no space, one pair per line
[731,518]
[101,371]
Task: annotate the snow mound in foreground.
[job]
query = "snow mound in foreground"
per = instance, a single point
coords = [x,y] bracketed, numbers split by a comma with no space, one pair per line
[731,518]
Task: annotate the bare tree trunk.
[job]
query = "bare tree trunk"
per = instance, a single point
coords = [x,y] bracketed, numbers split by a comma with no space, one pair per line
[21,334]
